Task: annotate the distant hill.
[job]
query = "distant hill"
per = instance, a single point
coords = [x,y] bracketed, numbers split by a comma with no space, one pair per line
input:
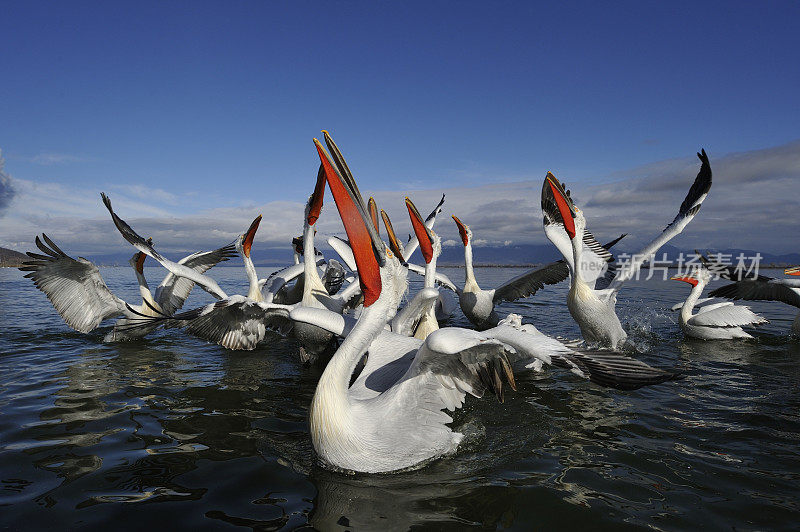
[11,259]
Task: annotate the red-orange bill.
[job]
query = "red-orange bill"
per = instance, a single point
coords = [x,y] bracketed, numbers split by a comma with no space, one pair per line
[369,274]
[462,230]
[423,236]
[249,235]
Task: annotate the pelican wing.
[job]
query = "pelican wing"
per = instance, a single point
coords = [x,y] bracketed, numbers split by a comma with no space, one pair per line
[74,287]
[207,283]
[531,281]
[606,368]
[765,288]
[688,210]
[171,294]
[451,363]
[726,315]
[236,322]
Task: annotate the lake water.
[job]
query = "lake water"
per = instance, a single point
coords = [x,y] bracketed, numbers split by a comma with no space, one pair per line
[172,431]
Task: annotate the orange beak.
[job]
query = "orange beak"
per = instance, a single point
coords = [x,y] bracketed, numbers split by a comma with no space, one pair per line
[373,213]
[249,235]
[317,197]
[140,262]
[462,230]
[685,278]
[563,203]
[393,244]
[355,225]
[423,235]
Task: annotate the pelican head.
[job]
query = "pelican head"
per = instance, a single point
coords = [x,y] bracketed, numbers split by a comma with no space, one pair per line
[694,277]
[245,240]
[463,230]
[795,270]
[137,261]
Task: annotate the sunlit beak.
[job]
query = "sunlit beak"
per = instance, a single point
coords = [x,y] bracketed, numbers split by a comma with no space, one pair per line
[462,230]
[247,242]
[394,245]
[795,270]
[315,201]
[363,242]
[564,203]
[423,233]
[685,278]
[373,213]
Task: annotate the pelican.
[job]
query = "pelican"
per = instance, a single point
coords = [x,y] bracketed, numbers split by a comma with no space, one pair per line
[565,226]
[718,321]
[478,305]
[82,298]
[241,322]
[765,288]
[394,419]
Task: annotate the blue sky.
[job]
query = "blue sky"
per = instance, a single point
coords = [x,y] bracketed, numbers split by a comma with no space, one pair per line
[189,106]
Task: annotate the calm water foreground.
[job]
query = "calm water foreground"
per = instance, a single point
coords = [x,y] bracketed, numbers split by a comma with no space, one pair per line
[171,431]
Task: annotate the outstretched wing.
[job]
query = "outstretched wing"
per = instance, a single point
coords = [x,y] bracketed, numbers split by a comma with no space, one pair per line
[760,289]
[607,368]
[451,363]
[726,315]
[236,322]
[174,289]
[531,281]
[207,283]
[74,287]
[688,210]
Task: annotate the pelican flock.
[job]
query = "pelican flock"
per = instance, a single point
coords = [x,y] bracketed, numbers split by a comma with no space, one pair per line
[392,369]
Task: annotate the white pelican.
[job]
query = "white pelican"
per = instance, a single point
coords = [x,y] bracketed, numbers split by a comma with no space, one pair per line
[82,298]
[718,321]
[766,288]
[565,226]
[241,322]
[478,304]
[395,420]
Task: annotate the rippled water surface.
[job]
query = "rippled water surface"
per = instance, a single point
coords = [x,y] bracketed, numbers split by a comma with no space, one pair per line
[173,431]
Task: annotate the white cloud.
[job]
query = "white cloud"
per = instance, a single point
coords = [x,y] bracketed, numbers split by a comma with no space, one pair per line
[753,204]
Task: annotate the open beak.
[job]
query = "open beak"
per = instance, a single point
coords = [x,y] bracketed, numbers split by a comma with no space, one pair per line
[247,242]
[462,230]
[140,258]
[553,191]
[367,247]
[315,201]
[685,278]
[394,245]
[792,271]
[373,213]
[423,233]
